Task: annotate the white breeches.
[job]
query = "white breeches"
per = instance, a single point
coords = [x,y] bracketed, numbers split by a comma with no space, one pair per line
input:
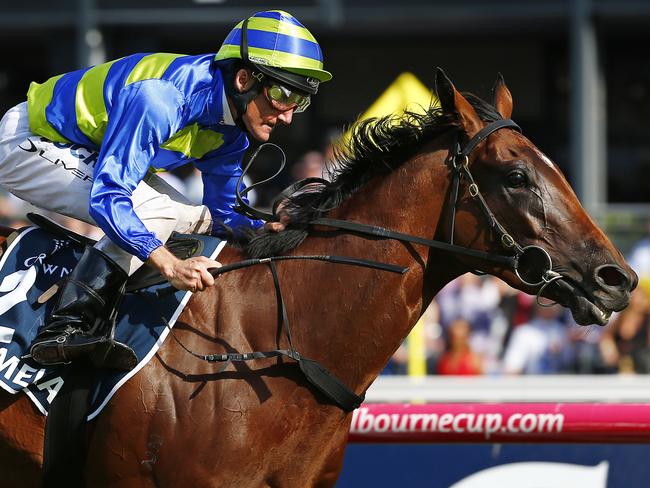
[58,177]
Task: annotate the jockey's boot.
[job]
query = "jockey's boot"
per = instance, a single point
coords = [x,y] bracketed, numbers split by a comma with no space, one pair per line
[80,326]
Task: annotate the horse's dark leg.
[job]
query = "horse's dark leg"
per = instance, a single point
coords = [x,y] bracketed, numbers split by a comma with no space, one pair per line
[21,441]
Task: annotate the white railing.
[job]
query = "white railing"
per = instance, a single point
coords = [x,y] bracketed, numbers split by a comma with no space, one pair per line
[563,388]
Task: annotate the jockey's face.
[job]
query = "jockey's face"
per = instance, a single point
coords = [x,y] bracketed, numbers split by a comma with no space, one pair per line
[260,117]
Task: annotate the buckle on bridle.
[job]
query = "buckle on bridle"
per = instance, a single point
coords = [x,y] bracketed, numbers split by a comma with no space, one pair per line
[534,266]
[508,241]
[462,164]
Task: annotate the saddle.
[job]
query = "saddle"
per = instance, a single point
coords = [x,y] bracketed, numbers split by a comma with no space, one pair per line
[182,247]
[72,395]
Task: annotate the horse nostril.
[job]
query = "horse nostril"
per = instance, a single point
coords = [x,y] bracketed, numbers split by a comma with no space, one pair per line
[613,276]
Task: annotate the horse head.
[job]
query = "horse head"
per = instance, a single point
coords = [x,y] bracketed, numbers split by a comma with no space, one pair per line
[534,204]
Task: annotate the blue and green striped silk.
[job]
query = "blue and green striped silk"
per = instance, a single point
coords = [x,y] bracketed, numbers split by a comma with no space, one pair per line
[142,112]
[276,38]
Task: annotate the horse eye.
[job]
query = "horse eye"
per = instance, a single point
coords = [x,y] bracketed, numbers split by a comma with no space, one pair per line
[516,179]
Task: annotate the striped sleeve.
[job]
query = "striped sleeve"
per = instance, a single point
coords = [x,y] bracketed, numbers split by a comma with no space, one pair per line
[144,116]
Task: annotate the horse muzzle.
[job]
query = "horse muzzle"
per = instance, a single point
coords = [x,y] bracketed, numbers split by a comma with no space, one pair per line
[594,297]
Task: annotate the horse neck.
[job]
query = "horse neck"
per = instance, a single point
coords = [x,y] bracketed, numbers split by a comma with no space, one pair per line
[372,311]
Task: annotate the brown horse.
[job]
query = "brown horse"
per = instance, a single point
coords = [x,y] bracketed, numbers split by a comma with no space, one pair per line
[260,423]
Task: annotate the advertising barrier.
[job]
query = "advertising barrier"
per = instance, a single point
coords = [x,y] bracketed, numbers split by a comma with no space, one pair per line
[502,422]
[507,445]
[523,432]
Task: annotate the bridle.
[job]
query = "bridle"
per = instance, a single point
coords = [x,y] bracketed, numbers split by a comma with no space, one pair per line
[532,264]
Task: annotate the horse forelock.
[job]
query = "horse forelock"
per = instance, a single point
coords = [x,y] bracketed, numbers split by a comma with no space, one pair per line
[485,111]
[376,147]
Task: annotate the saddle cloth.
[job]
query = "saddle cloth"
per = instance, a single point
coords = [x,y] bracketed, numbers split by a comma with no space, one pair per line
[36,260]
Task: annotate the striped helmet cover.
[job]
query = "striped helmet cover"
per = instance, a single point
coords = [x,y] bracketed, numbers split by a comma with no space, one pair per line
[277,39]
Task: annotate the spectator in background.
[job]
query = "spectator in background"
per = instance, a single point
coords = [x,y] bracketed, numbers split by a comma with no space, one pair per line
[77,226]
[11,208]
[471,297]
[639,259]
[539,346]
[585,357]
[475,299]
[459,359]
[310,165]
[194,186]
[174,181]
[434,340]
[625,345]
[434,345]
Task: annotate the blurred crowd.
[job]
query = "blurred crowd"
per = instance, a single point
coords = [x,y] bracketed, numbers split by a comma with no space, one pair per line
[480,325]
[476,324]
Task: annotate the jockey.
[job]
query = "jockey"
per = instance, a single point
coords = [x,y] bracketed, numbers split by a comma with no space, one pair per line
[86,144]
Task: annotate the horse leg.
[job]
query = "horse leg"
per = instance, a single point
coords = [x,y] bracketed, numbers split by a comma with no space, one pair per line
[22,428]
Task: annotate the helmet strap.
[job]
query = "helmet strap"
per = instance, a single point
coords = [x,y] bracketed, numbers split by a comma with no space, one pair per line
[239,99]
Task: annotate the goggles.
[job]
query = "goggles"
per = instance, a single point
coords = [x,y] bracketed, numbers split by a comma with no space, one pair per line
[282,98]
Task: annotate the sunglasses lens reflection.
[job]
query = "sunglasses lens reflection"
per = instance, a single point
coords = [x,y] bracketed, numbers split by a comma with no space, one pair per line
[283,99]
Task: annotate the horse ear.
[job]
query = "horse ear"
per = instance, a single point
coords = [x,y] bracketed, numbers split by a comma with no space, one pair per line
[501,97]
[445,91]
[452,102]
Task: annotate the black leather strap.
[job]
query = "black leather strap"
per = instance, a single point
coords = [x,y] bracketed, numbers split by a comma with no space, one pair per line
[319,376]
[364,263]
[251,212]
[455,186]
[64,451]
[316,373]
[242,206]
[373,230]
[330,385]
[481,135]
[460,168]
[243,45]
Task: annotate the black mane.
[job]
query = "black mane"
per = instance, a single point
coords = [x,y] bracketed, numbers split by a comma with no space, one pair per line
[376,147]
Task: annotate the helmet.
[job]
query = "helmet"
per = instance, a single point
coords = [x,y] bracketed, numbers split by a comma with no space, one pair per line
[278,46]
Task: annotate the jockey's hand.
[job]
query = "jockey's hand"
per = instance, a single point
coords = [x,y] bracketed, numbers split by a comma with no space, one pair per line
[184,274]
[277,226]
